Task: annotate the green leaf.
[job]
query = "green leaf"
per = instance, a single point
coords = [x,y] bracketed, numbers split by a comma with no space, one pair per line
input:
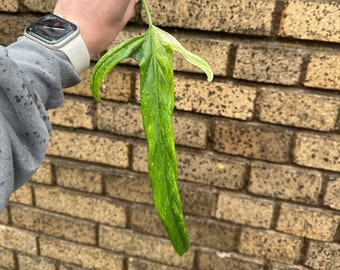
[154,53]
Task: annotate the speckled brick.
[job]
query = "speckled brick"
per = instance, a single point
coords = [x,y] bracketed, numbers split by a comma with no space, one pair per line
[332,197]
[89,147]
[70,267]
[212,260]
[309,222]
[278,266]
[7,260]
[270,245]
[126,119]
[116,85]
[76,113]
[317,23]
[243,17]
[318,151]
[202,167]
[42,6]
[12,26]
[197,200]
[312,111]
[43,174]
[244,209]
[271,63]
[221,99]
[130,187]
[79,177]
[53,224]
[23,195]
[285,182]
[17,239]
[4,216]
[37,263]
[252,140]
[323,70]
[221,236]
[88,257]
[9,5]
[214,51]
[138,264]
[146,247]
[84,206]
[323,256]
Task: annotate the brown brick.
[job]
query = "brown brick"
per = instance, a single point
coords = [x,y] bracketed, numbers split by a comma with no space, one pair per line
[17,239]
[285,182]
[116,86]
[146,247]
[214,51]
[7,259]
[221,235]
[226,99]
[212,260]
[89,147]
[252,141]
[189,130]
[135,188]
[37,263]
[204,167]
[270,245]
[244,209]
[243,17]
[4,216]
[76,113]
[84,206]
[137,264]
[197,200]
[43,174]
[40,5]
[309,222]
[9,6]
[23,195]
[268,63]
[11,27]
[313,111]
[53,224]
[318,151]
[323,256]
[70,267]
[144,219]
[80,255]
[317,23]
[278,266]
[323,70]
[332,197]
[83,178]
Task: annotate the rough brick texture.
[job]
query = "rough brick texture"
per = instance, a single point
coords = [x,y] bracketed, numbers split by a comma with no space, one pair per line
[258,148]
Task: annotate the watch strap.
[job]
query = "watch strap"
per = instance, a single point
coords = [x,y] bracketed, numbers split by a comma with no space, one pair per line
[77,53]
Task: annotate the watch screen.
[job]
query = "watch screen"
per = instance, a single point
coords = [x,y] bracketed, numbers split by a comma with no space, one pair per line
[51,29]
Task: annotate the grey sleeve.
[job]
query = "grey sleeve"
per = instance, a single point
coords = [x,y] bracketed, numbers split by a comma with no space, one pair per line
[31,81]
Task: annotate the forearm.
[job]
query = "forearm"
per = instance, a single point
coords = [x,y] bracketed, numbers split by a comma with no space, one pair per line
[31,81]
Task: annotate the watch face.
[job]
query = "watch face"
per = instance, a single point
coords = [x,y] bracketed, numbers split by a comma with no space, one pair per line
[51,29]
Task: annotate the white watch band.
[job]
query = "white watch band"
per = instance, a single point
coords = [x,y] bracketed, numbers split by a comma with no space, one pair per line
[76,51]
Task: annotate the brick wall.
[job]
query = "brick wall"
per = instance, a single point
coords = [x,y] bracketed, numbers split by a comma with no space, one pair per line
[258,148]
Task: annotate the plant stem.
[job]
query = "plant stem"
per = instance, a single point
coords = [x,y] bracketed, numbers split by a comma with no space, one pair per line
[147,11]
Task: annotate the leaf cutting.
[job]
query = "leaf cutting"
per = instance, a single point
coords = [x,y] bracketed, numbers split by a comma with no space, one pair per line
[153,52]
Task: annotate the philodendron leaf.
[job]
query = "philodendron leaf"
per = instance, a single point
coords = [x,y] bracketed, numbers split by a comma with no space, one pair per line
[154,51]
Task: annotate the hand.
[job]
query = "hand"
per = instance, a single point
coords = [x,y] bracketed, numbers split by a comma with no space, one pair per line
[99,21]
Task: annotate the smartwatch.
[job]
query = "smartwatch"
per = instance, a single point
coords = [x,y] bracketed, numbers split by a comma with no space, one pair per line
[56,33]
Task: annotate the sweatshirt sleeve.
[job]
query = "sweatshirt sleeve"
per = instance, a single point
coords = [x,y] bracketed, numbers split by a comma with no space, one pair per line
[31,81]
